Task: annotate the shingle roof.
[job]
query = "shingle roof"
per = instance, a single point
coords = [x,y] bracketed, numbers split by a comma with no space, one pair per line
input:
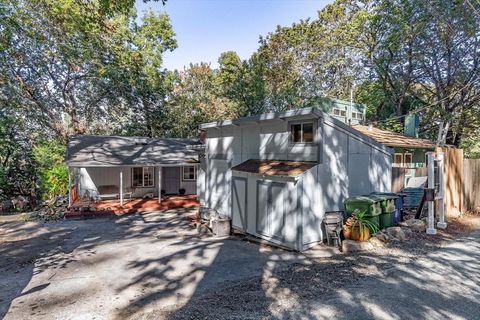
[275,167]
[392,139]
[104,151]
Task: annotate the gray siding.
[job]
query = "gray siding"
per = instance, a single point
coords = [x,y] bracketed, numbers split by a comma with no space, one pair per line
[279,209]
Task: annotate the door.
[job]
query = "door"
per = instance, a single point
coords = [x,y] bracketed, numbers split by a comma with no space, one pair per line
[271,209]
[171,180]
[239,203]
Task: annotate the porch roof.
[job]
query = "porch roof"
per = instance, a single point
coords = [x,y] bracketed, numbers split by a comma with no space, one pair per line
[111,151]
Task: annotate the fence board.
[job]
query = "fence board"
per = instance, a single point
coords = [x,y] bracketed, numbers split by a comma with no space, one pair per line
[453,177]
[398,178]
[471,184]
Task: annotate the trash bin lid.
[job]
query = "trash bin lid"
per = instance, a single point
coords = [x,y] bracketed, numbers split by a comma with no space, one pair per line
[360,200]
[384,195]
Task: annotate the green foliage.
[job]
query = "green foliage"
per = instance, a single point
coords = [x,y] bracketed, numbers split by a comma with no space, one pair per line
[361,221]
[18,175]
[52,171]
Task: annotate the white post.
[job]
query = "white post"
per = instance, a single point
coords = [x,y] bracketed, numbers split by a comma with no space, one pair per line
[159,184]
[441,193]
[121,187]
[69,188]
[431,184]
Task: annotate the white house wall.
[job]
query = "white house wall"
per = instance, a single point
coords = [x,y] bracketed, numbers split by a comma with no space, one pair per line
[93,177]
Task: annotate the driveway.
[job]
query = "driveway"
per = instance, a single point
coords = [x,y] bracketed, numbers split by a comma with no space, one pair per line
[156,266]
[118,267]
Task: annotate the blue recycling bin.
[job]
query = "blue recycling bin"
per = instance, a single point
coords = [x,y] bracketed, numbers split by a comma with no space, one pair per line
[399,197]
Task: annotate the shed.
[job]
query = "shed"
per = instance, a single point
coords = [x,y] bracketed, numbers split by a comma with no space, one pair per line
[277,174]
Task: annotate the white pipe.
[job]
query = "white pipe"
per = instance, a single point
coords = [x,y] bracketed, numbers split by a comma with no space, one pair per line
[441,193]
[121,188]
[431,184]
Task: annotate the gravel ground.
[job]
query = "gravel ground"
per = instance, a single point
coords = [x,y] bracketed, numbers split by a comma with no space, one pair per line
[292,293]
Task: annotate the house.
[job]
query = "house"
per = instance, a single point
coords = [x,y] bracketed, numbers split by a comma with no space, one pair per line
[348,112]
[277,174]
[104,167]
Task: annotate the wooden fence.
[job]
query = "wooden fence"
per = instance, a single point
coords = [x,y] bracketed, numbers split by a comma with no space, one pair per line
[453,177]
[471,184]
[461,188]
[399,173]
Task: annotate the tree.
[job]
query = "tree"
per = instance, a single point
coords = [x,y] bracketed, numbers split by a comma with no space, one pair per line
[72,70]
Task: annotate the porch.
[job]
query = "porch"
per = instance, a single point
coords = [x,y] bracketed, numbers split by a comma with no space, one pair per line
[86,207]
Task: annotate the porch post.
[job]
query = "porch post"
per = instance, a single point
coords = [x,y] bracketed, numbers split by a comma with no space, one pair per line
[121,187]
[69,188]
[431,184]
[441,204]
[159,184]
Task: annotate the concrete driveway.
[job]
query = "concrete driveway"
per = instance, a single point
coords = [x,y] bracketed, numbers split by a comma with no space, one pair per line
[118,267]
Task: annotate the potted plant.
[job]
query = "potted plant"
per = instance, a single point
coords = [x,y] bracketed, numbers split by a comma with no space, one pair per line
[358,227]
[181,191]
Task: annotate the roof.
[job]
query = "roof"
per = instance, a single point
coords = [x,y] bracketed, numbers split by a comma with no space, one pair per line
[275,167]
[264,117]
[393,139]
[105,151]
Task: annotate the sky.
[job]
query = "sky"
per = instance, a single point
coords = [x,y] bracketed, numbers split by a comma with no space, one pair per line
[206,28]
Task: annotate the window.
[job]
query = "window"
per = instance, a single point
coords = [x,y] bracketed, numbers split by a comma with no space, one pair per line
[142,177]
[189,173]
[407,160]
[398,159]
[302,132]
[339,112]
[357,115]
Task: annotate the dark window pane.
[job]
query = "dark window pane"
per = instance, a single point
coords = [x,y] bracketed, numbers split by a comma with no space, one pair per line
[137,177]
[297,133]
[308,132]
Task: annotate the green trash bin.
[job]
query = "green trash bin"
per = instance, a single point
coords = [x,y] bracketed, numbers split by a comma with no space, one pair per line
[370,206]
[387,204]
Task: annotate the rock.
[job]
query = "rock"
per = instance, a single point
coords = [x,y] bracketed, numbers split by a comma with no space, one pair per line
[396,233]
[376,242]
[354,246]
[382,237]
[415,224]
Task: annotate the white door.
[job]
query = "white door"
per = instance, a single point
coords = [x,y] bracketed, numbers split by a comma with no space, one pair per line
[239,203]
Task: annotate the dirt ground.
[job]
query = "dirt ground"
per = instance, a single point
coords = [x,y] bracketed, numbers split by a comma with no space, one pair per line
[157,266]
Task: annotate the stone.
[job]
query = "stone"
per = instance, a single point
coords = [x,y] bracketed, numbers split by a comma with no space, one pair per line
[396,233]
[382,237]
[376,242]
[355,246]
[416,225]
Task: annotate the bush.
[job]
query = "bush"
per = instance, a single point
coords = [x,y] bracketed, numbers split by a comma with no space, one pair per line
[52,170]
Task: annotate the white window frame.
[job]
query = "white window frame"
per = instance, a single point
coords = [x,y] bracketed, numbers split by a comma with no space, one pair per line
[401,162]
[194,173]
[357,115]
[291,124]
[143,177]
[339,112]
[405,157]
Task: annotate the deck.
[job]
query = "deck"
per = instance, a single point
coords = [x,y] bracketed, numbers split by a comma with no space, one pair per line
[84,207]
